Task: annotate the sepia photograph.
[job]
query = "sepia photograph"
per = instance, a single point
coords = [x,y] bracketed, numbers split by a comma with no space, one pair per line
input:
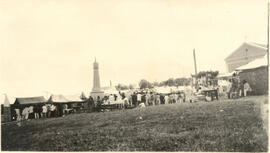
[133,75]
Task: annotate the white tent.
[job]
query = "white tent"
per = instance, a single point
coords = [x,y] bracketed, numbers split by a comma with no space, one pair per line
[163,90]
[254,64]
[225,75]
[6,100]
[110,90]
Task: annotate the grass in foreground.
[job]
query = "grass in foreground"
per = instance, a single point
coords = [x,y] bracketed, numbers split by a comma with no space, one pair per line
[234,125]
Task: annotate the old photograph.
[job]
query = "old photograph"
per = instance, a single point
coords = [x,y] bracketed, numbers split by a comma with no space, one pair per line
[134,75]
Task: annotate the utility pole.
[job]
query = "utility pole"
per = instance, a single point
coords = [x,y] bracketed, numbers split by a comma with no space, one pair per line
[195,66]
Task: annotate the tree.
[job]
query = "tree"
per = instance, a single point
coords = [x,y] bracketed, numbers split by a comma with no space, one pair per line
[131,86]
[170,82]
[122,87]
[209,74]
[145,84]
[155,84]
[182,81]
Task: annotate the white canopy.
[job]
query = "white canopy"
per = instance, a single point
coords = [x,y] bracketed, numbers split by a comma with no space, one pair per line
[225,75]
[254,64]
[110,90]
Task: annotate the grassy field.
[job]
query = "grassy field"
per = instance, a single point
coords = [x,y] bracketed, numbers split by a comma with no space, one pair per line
[225,125]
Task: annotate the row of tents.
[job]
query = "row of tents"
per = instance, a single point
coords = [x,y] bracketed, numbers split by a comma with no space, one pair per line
[53,98]
[72,101]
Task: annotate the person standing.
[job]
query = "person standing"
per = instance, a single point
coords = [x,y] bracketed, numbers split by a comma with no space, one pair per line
[91,104]
[229,86]
[52,110]
[111,99]
[36,112]
[158,102]
[162,100]
[98,104]
[25,113]
[134,99]
[144,99]
[44,111]
[49,110]
[246,88]
[139,98]
[166,98]
[18,116]
[31,112]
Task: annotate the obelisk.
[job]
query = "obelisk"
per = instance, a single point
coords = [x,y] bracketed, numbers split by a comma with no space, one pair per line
[96,90]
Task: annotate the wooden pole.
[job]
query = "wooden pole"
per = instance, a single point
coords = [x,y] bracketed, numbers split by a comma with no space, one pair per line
[195,65]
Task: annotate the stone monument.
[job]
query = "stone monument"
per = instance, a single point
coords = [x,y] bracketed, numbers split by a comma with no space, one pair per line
[96,90]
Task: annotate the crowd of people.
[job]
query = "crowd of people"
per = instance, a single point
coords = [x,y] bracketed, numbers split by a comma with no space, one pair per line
[36,111]
[237,88]
[138,98]
[129,100]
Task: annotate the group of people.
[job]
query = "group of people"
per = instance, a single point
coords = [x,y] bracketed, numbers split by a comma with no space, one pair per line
[237,88]
[136,98]
[36,111]
[152,99]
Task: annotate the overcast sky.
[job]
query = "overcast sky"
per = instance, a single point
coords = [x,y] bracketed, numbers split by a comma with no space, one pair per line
[50,45]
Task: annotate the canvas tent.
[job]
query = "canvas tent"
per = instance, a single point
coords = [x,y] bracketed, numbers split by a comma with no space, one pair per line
[5,110]
[110,90]
[76,98]
[58,99]
[30,100]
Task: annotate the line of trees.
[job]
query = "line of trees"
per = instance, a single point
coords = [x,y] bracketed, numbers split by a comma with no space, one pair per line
[124,87]
[170,82]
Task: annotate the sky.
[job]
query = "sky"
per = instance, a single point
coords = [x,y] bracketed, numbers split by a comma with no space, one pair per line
[50,46]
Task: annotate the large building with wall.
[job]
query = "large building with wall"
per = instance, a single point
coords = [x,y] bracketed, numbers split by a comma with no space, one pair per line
[244,54]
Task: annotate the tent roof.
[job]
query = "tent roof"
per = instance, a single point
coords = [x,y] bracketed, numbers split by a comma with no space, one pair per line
[6,102]
[65,99]
[30,100]
[225,75]
[74,98]
[58,99]
[110,90]
[254,64]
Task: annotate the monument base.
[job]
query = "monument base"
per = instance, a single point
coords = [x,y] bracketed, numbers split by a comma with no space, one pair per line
[96,94]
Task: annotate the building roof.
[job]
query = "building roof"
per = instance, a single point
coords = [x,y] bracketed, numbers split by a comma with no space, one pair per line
[253,48]
[30,100]
[254,64]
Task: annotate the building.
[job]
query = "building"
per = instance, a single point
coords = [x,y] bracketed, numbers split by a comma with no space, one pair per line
[244,54]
